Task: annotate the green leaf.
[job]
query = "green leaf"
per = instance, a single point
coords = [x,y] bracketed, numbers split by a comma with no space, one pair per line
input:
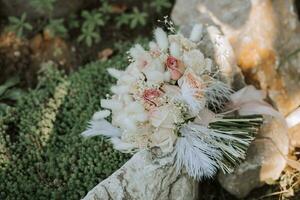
[8,84]
[57,27]
[13,94]
[3,108]
[13,19]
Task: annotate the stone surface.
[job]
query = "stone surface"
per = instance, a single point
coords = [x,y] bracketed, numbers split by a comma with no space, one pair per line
[293,122]
[294,134]
[143,178]
[264,162]
[61,8]
[263,34]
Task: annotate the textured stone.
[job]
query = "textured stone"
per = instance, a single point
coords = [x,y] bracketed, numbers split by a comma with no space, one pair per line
[263,34]
[264,162]
[143,178]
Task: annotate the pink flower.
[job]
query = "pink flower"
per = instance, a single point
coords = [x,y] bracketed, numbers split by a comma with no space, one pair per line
[175,67]
[151,95]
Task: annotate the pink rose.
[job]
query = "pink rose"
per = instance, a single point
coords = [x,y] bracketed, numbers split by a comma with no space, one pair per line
[151,95]
[175,67]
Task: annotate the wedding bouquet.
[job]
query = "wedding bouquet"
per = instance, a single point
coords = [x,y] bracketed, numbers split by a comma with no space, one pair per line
[170,100]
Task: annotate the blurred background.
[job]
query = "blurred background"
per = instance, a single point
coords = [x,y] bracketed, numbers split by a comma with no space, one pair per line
[53,60]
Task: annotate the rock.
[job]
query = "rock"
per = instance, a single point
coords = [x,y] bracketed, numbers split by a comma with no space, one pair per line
[264,161]
[263,34]
[294,134]
[61,8]
[143,178]
[293,122]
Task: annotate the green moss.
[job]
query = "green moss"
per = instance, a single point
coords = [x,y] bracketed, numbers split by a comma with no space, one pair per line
[42,155]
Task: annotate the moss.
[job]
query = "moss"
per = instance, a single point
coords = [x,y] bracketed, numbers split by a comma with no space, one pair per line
[42,155]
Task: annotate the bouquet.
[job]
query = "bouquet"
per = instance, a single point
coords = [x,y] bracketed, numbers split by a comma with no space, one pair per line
[170,100]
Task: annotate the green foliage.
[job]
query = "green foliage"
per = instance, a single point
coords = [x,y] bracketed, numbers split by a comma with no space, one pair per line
[105,9]
[90,30]
[56,27]
[88,36]
[9,92]
[92,19]
[46,6]
[133,19]
[159,5]
[42,155]
[19,25]
[73,21]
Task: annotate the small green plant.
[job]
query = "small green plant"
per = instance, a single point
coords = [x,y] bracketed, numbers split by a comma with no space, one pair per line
[133,19]
[105,9]
[90,31]
[73,21]
[8,93]
[159,5]
[19,25]
[88,36]
[56,27]
[46,6]
[92,20]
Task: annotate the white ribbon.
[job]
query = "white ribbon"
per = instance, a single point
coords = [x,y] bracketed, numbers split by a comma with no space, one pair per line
[250,101]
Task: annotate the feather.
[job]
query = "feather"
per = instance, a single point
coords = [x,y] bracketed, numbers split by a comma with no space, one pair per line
[122,146]
[101,115]
[217,94]
[175,50]
[111,104]
[115,73]
[196,33]
[161,39]
[197,155]
[188,95]
[101,127]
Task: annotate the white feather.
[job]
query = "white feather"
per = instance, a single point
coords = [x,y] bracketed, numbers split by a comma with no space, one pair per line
[217,93]
[175,50]
[115,73]
[122,146]
[101,115]
[101,127]
[196,33]
[120,89]
[161,39]
[188,95]
[137,51]
[111,104]
[199,157]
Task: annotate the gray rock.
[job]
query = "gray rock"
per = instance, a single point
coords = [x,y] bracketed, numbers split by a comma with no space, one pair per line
[231,12]
[263,34]
[143,178]
[264,162]
[61,8]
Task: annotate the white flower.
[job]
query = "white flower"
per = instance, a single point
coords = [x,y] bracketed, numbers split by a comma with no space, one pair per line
[165,116]
[142,58]
[195,60]
[185,43]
